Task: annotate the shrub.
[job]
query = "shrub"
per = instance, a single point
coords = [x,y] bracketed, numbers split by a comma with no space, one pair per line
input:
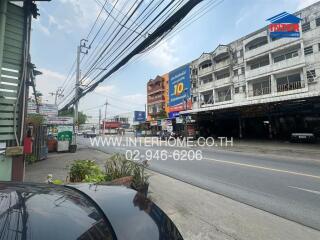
[30,158]
[86,171]
[117,166]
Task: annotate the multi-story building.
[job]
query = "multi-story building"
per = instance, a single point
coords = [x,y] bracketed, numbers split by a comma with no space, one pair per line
[156,98]
[260,81]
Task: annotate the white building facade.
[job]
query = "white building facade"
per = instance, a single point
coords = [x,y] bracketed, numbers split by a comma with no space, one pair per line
[257,69]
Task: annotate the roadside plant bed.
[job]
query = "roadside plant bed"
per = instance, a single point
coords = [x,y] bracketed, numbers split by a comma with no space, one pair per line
[117,171]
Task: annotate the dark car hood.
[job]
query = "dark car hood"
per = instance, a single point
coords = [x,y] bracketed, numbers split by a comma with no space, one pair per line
[43,211]
[84,211]
[132,216]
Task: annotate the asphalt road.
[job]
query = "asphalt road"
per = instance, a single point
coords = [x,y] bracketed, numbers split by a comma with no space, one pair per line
[285,186]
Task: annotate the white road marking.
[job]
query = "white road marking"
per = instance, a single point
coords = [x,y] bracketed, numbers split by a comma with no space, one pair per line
[264,168]
[307,190]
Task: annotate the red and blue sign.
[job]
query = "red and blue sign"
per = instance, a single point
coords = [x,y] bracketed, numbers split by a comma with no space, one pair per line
[284,25]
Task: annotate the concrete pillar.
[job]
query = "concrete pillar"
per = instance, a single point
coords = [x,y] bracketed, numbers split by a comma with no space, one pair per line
[270,127]
[240,127]
[273,83]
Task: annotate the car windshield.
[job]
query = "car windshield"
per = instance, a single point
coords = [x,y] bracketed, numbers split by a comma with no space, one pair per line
[186,119]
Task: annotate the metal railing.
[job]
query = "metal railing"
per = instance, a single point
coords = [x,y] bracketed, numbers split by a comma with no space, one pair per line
[223,98]
[290,86]
[260,91]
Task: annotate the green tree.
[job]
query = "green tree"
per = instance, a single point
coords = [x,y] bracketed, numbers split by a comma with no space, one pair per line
[70,113]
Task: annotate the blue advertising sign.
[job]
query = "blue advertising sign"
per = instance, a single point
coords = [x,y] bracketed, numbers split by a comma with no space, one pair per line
[173,115]
[179,89]
[139,116]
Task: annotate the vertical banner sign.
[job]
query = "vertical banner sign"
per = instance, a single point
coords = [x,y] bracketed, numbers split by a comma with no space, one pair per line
[179,89]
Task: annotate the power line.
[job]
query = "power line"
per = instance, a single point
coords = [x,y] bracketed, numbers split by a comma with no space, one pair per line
[117,33]
[194,17]
[148,15]
[167,26]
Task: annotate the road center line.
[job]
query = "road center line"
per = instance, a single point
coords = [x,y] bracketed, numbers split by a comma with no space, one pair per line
[264,168]
[305,189]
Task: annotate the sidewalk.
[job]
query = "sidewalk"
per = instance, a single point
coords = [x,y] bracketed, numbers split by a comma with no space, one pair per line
[198,214]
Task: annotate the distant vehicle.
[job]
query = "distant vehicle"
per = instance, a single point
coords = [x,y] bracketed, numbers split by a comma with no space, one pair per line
[303,137]
[79,133]
[84,211]
[89,134]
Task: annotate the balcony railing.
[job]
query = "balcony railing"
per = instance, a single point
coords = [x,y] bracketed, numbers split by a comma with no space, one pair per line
[205,71]
[205,103]
[223,98]
[290,86]
[260,91]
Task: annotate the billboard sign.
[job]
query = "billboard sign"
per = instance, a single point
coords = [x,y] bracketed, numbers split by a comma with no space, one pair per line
[59,120]
[173,115]
[284,25]
[139,116]
[179,89]
[50,110]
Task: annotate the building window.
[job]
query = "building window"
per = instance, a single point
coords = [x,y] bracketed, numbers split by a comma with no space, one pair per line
[243,70]
[236,90]
[235,72]
[306,27]
[224,95]
[261,88]
[194,99]
[286,56]
[207,97]
[290,82]
[194,71]
[206,79]
[244,88]
[206,65]
[308,50]
[257,43]
[224,74]
[319,47]
[318,21]
[311,75]
[258,63]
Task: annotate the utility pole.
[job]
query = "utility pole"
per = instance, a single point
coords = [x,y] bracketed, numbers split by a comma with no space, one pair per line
[77,85]
[56,94]
[105,116]
[99,124]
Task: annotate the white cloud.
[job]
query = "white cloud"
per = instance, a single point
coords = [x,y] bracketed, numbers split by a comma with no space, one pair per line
[81,12]
[135,99]
[105,89]
[164,55]
[48,82]
[39,26]
[305,3]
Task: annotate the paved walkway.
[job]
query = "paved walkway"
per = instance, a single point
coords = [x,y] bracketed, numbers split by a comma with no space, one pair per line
[58,164]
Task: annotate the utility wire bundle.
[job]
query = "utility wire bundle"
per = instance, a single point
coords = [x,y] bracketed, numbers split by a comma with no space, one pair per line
[125,29]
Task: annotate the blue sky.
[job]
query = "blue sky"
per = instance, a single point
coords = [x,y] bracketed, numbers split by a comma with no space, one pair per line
[63,23]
